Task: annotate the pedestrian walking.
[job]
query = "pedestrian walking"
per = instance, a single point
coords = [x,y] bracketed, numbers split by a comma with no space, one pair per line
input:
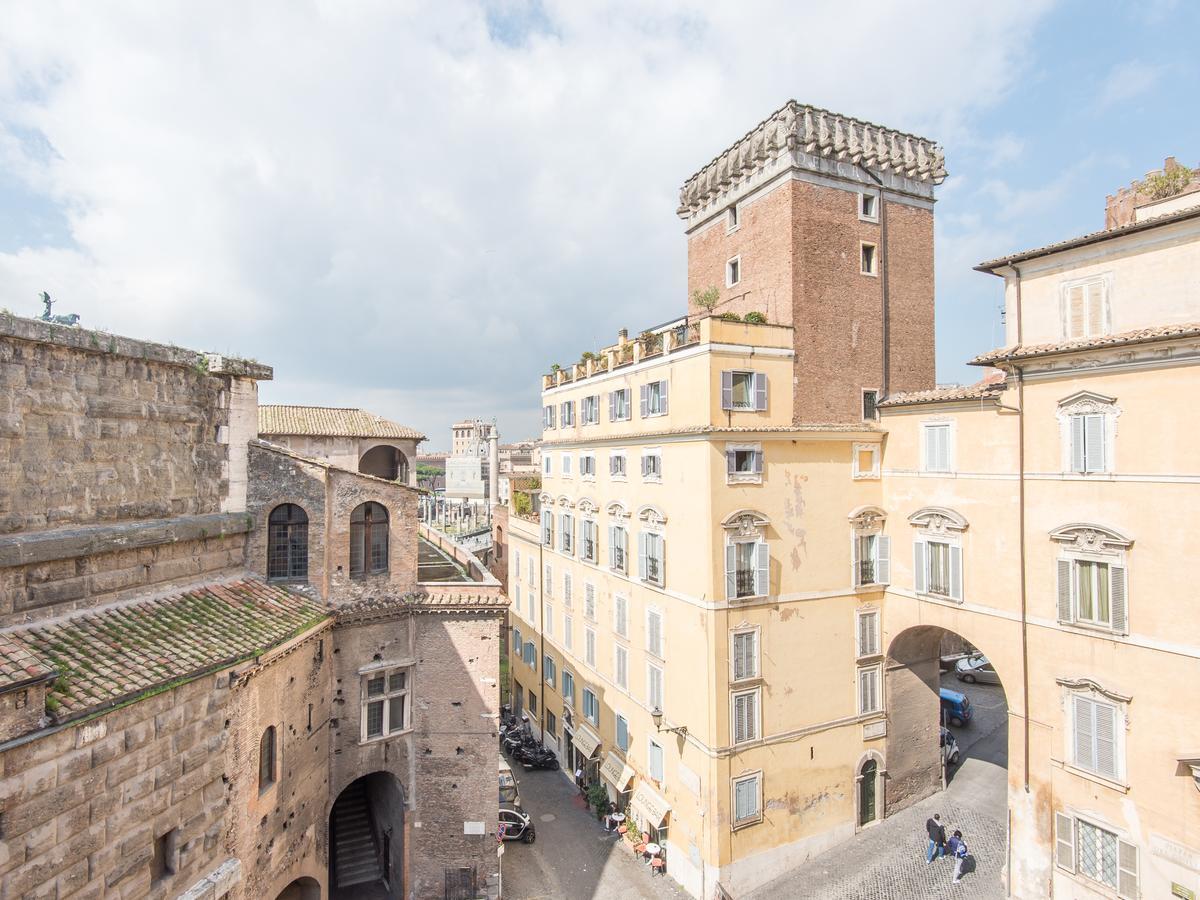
[937,838]
[579,778]
[958,849]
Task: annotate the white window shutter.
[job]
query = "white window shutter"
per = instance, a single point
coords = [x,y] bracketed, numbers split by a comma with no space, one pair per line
[1064,840]
[1117,601]
[727,390]
[1094,443]
[642,568]
[919,571]
[864,642]
[730,571]
[612,546]
[931,440]
[762,576]
[956,573]
[1077,443]
[612,406]
[1127,870]
[856,559]
[644,466]
[1106,739]
[883,559]
[758,462]
[1085,741]
[1095,309]
[760,390]
[730,462]
[644,393]
[662,398]
[1065,605]
[1076,302]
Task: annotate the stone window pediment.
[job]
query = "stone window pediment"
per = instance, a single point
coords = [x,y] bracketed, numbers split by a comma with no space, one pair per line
[618,511]
[1088,538]
[745,522]
[587,506]
[565,503]
[938,520]
[866,518]
[652,516]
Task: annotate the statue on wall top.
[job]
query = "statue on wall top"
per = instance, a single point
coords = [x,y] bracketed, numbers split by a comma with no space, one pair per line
[69,319]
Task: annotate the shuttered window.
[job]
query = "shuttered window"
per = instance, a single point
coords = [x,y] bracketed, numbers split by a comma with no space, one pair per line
[591,707]
[868,690]
[566,589]
[566,533]
[743,390]
[656,762]
[653,399]
[587,465]
[568,688]
[589,647]
[616,465]
[1092,592]
[745,655]
[745,799]
[547,417]
[567,411]
[590,532]
[547,530]
[872,559]
[549,669]
[1084,313]
[617,545]
[589,410]
[868,633]
[938,568]
[654,632]
[747,569]
[937,440]
[654,686]
[621,667]
[622,734]
[652,467]
[1095,736]
[1098,854]
[650,557]
[745,717]
[548,582]
[589,602]
[1088,443]
[568,631]
[548,618]
[621,616]
[619,405]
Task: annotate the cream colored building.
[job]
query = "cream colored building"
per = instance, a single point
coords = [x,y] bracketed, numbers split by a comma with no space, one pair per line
[731,613]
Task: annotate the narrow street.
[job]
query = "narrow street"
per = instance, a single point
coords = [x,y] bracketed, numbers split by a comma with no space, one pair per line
[572,856]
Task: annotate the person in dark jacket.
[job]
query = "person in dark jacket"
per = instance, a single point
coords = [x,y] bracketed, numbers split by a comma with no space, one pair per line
[937,838]
[957,848]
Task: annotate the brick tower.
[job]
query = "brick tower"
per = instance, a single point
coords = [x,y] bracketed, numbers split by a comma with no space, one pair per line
[824,223]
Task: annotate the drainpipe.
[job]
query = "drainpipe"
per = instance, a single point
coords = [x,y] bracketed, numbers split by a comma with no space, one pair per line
[1021,519]
[541,613]
[883,282]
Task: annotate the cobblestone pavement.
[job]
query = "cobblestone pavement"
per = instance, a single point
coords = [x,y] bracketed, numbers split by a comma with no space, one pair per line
[572,856]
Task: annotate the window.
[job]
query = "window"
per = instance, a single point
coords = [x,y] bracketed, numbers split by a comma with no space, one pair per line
[287,543]
[617,545]
[621,616]
[938,568]
[733,271]
[1087,443]
[654,633]
[385,707]
[621,667]
[1096,853]
[548,668]
[566,533]
[531,572]
[530,655]
[745,655]
[568,631]
[368,540]
[547,528]
[868,632]
[551,725]
[165,861]
[867,256]
[868,691]
[654,686]
[548,618]
[746,792]
[650,557]
[567,583]
[745,716]
[547,464]
[652,467]
[548,417]
[589,410]
[655,400]
[866,460]
[532,702]
[587,465]
[616,465]
[589,647]
[1095,726]
[590,534]
[565,465]
[548,582]
[1092,591]
[937,439]
[655,759]
[731,218]
[568,688]
[589,602]
[747,569]
[622,734]
[567,413]
[1084,309]
[743,463]
[517,645]
[872,559]
[743,390]
[620,406]
[868,207]
[266,759]
[870,410]
[591,707]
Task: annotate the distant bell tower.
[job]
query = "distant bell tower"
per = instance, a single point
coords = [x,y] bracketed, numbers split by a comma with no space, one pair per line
[823,223]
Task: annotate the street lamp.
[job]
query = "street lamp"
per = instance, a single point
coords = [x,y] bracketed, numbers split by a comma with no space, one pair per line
[657,716]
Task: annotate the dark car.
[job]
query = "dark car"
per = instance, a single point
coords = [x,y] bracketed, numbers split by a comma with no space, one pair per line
[517,825]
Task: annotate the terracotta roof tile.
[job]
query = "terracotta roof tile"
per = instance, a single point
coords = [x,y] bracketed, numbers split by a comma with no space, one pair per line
[328,421]
[1139,336]
[113,653]
[980,391]
[18,665]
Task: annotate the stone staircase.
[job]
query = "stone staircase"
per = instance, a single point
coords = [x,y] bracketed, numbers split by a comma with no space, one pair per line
[357,859]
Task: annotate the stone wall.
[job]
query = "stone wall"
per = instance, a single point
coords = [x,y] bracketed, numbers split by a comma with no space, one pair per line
[277,478]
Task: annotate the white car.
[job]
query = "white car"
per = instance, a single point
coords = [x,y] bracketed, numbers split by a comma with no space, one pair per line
[976,668]
[949,748]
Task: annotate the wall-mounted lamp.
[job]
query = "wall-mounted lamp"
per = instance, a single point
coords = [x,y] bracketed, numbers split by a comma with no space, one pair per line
[657,716]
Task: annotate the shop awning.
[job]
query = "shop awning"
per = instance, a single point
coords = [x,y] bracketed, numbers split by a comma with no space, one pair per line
[586,740]
[617,771]
[649,807]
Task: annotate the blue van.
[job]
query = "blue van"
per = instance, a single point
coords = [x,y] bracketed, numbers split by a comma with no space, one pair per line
[956,708]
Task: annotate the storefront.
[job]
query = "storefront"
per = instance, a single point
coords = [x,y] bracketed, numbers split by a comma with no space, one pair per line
[617,774]
[650,810]
[587,742]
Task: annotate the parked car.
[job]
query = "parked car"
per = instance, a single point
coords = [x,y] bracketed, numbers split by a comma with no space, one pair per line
[949,748]
[976,668]
[508,785]
[956,708]
[518,826]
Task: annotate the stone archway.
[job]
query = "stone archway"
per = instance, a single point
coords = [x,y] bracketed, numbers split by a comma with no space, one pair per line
[384,461]
[366,840]
[301,889]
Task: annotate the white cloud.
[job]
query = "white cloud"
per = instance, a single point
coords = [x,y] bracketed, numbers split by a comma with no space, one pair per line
[1126,81]
[417,207]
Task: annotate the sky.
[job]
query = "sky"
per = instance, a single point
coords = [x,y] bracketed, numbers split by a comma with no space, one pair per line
[415,208]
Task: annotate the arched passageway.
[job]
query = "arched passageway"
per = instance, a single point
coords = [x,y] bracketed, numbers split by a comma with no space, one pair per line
[366,839]
[935,680]
[384,461]
[301,889]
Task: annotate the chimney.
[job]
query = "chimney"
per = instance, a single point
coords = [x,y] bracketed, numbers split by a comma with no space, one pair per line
[623,336]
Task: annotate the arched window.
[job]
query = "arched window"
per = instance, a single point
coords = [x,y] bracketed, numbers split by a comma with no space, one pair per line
[368,540]
[287,542]
[266,759]
[867,812]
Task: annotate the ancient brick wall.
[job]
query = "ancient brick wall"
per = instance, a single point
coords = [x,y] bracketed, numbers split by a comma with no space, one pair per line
[277,478]
[348,491]
[909,260]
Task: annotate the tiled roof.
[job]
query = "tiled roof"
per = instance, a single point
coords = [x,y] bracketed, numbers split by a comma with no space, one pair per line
[980,391]
[328,421]
[448,600]
[1140,336]
[19,666]
[1090,238]
[115,653]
